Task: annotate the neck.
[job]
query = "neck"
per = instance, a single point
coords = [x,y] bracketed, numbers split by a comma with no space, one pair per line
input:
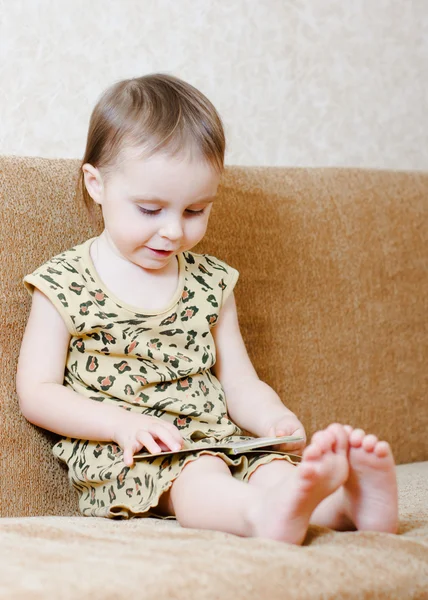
[106,251]
[106,246]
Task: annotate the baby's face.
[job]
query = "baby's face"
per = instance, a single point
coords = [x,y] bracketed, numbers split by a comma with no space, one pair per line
[154,208]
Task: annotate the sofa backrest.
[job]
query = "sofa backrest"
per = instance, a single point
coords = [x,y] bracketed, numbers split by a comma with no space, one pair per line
[332,299]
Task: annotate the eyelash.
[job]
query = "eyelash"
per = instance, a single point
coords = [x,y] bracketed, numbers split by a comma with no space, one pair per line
[153,213]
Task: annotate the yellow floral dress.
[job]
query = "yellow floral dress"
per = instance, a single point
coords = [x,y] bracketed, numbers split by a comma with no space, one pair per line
[157,364]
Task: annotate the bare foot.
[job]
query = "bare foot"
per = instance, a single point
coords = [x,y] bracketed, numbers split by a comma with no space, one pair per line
[283,511]
[370,491]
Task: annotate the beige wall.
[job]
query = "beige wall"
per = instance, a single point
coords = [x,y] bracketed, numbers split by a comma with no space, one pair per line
[316,82]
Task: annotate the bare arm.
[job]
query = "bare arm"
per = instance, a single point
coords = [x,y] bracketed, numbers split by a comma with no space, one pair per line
[251,403]
[45,401]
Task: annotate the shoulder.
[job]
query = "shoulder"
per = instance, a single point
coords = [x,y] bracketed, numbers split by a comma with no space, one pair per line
[207,262]
[70,261]
[212,274]
[61,278]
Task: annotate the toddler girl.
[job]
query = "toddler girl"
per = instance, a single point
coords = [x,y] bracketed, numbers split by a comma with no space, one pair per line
[133,344]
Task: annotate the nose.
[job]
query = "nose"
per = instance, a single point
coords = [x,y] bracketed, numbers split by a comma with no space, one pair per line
[172,229]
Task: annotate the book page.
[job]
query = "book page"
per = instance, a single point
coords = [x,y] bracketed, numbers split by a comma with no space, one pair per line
[233,448]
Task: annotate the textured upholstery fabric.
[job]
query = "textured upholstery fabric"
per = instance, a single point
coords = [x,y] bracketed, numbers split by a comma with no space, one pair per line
[72,557]
[333,303]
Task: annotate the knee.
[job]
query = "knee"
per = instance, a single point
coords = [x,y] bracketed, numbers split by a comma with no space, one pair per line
[194,476]
[269,474]
[205,463]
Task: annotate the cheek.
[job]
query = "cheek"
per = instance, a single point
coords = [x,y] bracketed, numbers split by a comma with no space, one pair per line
[125,224]
[198,228]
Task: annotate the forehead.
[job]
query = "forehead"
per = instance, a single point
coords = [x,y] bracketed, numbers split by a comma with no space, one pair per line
[167,177]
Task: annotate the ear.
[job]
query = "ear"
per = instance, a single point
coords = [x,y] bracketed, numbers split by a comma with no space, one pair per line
[93,182]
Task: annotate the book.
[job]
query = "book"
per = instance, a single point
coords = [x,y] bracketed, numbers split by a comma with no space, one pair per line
[232,448]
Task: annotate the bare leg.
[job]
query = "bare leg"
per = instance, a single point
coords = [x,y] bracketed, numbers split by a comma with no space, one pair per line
[205,494]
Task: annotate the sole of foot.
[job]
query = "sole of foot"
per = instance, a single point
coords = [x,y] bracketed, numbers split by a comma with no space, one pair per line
[371,488]
[284,510]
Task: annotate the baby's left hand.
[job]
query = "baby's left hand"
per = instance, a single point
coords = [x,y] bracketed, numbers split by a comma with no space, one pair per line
[288,424]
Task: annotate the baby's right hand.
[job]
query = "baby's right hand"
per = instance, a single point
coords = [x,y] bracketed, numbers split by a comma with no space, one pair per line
[133,432]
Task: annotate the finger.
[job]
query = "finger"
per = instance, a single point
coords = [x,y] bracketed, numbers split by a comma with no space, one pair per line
[146,439]
[294,434]
[128,456]
[278,431]
[295,447]
[169,427]
[167,438]
[163,446]
[299,433]
[175,432]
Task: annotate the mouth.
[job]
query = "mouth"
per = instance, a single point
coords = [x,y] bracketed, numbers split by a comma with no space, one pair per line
[159,252]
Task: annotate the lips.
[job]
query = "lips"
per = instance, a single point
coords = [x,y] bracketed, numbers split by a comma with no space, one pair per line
[160,252]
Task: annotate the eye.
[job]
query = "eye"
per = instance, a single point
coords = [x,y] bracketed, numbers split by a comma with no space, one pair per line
[145,211]
[195,212]
[155,212]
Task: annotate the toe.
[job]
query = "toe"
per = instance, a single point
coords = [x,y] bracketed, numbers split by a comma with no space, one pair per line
[340,437]
[348,429]
[369,442]
[356,437]
[312,452]
[323,439]
[382,449]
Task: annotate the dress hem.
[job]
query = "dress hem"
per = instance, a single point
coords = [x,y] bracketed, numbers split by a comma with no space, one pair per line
[131,511]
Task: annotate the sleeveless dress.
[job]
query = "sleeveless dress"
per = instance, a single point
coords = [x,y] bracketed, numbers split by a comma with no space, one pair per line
[153,363]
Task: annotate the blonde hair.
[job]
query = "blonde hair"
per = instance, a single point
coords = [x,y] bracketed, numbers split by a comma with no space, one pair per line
[156,112]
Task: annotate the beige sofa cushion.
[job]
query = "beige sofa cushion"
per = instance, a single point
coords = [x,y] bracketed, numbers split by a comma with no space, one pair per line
[78,557]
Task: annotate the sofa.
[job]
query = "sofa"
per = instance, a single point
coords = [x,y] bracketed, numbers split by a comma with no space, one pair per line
[333,305]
